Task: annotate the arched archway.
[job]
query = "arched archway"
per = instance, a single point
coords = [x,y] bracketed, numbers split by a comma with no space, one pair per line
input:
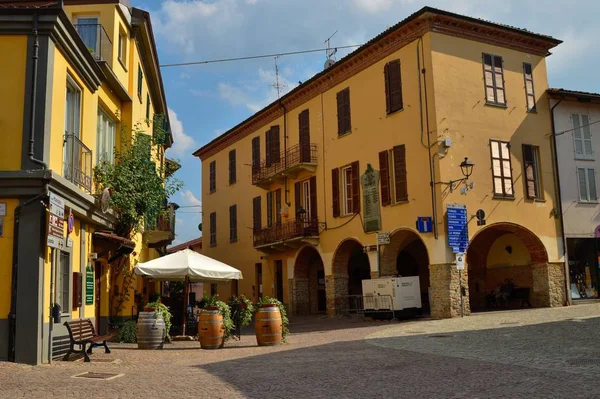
[309,282]
[406,255]
[505,252]
[350,266]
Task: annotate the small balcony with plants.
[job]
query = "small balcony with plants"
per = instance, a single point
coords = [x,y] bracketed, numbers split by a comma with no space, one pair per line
[77,162]
[288,234]
[159,229]
[96,40]
[289,163]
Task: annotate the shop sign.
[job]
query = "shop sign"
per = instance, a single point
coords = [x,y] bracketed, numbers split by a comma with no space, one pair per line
[56,222]
[89,285]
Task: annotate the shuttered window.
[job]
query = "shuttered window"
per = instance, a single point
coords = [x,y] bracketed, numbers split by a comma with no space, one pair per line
[213,176]
[213,229]
[273,145]
[255,154]
[232,167]
[256,214]
[233,237]
[268,160]
[529,92]
[304,129]
[343,111]
[532,171]
[384,175]
[355,188]
[501,169]
[313,198]
[587,185]
[392,169]
[400,183]
[393,86]
[335,188]
[346,190]
[493,75]
[582,136]
[278,206]
[269,209]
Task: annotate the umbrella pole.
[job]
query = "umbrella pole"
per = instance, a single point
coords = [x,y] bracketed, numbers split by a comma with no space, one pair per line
[185,303]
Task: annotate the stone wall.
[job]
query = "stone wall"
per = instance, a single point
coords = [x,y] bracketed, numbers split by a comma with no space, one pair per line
[336,291]
[548,285]
[300,294]
[445,300]
[556,276]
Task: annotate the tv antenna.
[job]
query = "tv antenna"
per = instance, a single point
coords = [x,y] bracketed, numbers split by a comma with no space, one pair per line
[278,85]
[330,52]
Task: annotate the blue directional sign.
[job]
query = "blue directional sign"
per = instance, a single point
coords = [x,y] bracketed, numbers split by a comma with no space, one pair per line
[424,224]
[458,233]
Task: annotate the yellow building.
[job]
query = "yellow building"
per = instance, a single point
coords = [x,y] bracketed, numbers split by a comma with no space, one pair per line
[294,195]
[80,76]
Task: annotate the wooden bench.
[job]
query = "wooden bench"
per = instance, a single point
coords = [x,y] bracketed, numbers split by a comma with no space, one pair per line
[82,333]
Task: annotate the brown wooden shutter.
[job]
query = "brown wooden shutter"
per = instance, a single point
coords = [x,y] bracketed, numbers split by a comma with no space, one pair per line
[255,154]
[355,187]
[395,86]
[313,198]
[400,173]
[275,145]
[341,109]
[386,79]
[256,214]
[348,123]
[297,197]
[384,173]
[335,188]
[269,209]
[278,206]
[232,167]
[304,125]
[530,173]
[268,144]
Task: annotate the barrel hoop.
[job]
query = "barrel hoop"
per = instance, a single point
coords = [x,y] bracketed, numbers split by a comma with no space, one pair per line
[211,321]
[269,335]
[271,319]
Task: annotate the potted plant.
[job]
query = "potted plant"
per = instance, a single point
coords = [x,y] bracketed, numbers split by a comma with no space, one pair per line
[271,320]
[153,326]
[213,335]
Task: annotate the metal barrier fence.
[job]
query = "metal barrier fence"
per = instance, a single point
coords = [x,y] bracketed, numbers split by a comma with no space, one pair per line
[366,305]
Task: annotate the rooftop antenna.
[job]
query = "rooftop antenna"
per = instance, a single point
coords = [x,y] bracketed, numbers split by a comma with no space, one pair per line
[330,52]
[278,85]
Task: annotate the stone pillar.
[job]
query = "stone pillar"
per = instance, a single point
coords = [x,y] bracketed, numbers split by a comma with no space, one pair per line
[374,274]
[313,290]
[445,291]
[548,285]
[373,264]
[300,295]
[336,291]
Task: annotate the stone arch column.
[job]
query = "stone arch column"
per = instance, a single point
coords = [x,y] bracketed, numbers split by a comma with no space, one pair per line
[304,285]
[336,284]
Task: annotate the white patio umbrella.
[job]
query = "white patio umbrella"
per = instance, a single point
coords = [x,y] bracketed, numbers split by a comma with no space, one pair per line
[189,266]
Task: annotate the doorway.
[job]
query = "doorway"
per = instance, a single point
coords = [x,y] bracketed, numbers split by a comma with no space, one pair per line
[279,280]
[98,295]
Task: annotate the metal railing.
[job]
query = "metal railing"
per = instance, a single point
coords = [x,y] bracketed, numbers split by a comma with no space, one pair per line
[288,159]
[288,230]
[77,162]
[96,40]
[365,305]
[161,221]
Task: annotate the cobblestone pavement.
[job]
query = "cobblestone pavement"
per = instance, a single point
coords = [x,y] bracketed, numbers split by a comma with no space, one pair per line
[539,353]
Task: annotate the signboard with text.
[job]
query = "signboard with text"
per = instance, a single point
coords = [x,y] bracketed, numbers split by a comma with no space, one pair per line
[458,233]
[56,220]
[370,187]
[89,285]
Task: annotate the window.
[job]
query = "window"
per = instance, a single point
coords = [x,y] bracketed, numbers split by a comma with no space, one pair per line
[89,31]
[587,185]
[213,229]
[501,169]
[255,154]
[306,199]
[273,146]
[213,177]
[232,171]
[531,164]
[62,281]
[529,93]
[72,157]
[256,214]
[213,289]
[122,47]
[148,109]
[393,86]
[392,167]
[304,130]
[140,81]
[269,209]
[493,75]
[343,111]
[233,223]
[278,206]
[582,136]
[345,185]
[106,137]
[258,279]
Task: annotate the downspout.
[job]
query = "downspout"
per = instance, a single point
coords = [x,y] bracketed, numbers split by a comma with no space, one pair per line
[558,196]
[34,79]
[286,200]
[429,157]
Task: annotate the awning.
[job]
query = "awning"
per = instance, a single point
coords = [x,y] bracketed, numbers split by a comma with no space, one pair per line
[190,264]
[106,241]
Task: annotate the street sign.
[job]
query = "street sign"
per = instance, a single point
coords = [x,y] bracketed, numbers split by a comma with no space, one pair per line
[56,222]
[89,286]
[383,238]
[460,261]
[70,223]
[458,234]
[424,224]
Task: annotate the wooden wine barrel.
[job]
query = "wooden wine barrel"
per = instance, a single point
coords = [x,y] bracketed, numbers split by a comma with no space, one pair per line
[150,331]
[268,325]
[211,329]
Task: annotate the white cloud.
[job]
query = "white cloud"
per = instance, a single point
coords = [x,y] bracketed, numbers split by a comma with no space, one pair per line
[190,198]
[374,6]
[182,143]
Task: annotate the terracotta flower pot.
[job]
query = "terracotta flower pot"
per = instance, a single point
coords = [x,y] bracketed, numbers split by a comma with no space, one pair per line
[149,309]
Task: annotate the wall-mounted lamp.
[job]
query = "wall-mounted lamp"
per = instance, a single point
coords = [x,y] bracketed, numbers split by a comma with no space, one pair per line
[466,167]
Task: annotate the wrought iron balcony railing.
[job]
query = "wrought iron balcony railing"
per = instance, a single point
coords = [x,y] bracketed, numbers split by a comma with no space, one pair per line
[286,231]
[160,227]
[290,160]
[77,162]
[97,40]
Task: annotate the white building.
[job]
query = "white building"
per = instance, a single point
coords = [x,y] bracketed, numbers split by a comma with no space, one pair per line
[577,130]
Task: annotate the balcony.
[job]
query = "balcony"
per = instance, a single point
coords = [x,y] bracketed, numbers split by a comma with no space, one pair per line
[289,234]
[160,227]
[96,40]
[77,162]
[292,161]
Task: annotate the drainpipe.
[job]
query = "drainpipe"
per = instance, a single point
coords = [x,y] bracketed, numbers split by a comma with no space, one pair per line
[286,199]
[429,157]
[35,58]
[554,148]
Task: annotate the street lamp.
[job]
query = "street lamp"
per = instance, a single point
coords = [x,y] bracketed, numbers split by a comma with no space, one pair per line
[466,167]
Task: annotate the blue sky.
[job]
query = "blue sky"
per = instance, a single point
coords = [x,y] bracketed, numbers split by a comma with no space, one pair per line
[207,100]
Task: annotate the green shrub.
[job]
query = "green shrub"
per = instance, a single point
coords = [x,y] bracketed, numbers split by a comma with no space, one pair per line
[127,333]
